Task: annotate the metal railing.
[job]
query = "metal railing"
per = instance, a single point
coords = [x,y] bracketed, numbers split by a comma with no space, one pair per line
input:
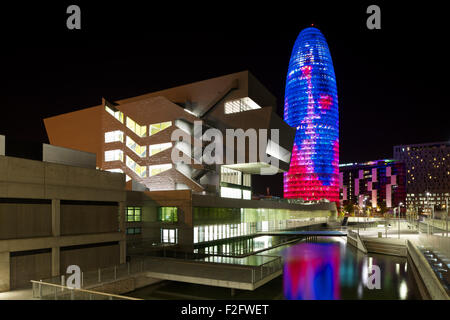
[170,262]
[50,291]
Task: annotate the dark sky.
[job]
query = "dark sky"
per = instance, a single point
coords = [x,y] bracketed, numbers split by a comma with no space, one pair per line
[392,83]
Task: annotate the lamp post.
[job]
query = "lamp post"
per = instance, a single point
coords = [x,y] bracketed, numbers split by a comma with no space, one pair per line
[398,221]
[428,205]
[446,216]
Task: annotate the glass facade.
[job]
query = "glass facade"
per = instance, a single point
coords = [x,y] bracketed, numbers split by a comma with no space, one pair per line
[311,106]
[212,224]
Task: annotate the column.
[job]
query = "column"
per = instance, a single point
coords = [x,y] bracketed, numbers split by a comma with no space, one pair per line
[122,243]
[56,217]
[56,232]
[5,275]
[56,261]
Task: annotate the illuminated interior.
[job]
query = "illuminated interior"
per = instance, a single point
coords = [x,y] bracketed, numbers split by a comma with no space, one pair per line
[157,127]
[114,136]
[140,171]
[114,155]
[115,113]
[141,151]
[141,131]
[240,105]
[157,169]
[156,148]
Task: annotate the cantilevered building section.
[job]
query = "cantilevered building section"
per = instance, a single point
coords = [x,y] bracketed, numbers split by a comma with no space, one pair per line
[135,135]
[311,106]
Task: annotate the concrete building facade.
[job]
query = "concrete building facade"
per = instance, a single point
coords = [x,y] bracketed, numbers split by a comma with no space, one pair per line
[54,215]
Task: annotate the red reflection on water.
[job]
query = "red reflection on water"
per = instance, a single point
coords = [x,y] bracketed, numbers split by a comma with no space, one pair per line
[311,272]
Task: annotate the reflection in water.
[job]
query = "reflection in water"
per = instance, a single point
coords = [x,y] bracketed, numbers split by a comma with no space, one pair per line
[329,269]
[311,272]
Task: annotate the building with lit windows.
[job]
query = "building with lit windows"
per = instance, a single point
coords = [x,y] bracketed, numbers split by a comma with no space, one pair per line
[311,106]
[135,136]
[189,205]
[374,185]
[428,174]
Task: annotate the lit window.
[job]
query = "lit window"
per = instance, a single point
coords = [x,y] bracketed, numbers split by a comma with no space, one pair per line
[247,180]
[230,175]
[141,131]
[226,192]
[140,171]
[169,235]
[156,169]
[141,151]
[155,148]
[240,105]
[157,127]
[168,214]
[134,214]
[113,155]
[246,194]
[115,113]
[113,136]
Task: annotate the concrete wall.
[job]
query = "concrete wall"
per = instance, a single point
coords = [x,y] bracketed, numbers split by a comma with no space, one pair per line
[67,156]
[4,271]
[30,266]
[82,219]
[2,145]
[23,178]
[25,220]
[90,258]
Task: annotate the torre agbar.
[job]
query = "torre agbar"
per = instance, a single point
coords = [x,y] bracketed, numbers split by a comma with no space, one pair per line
[311,105]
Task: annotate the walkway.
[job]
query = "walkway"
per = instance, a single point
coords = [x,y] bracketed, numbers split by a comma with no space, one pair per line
[305,233]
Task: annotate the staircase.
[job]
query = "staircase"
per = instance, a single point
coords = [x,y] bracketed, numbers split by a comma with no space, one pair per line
[386,247]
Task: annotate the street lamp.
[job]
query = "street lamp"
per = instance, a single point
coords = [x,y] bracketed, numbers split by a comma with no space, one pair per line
[398,221]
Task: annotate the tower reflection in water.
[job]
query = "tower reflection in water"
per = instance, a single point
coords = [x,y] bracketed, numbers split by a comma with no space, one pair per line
[311,272]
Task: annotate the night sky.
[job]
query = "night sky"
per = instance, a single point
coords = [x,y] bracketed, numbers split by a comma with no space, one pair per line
[392,83]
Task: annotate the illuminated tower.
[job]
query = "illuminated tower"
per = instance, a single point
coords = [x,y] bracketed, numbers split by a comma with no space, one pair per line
[311,105]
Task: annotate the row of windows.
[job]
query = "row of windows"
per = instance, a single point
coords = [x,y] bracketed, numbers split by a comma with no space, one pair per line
[117,136]
[117,155]
[141,131]
[165,214]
